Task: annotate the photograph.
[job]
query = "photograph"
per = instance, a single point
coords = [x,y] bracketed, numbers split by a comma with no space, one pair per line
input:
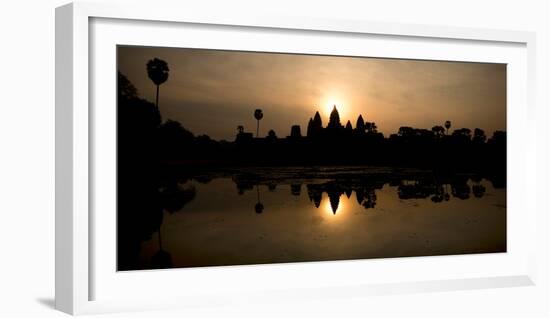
[246,158]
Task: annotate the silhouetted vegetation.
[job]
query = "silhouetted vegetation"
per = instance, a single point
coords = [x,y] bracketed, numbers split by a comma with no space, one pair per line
[336,144]
[333,144]
[157,70]
[258,114]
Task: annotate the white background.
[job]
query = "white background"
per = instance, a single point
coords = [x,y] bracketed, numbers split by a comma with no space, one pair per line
[256,280]
[27,158]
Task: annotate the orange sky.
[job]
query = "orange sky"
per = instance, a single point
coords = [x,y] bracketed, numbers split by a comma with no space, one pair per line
[212,92]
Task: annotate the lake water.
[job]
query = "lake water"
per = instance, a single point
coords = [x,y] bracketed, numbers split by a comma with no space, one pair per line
[273,215]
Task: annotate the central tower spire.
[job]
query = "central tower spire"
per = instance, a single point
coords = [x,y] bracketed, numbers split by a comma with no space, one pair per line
[334,120]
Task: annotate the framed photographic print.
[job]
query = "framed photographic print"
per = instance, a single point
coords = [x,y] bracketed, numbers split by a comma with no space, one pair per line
[207,160]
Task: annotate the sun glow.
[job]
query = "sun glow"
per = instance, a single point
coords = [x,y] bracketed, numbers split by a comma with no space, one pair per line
[329,103]
[338,211]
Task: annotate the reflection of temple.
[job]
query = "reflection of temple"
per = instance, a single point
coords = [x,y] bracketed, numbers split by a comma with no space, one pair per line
[364,192]
[142,207]
[334,198]
[427,187]
[315,194]
[437,191]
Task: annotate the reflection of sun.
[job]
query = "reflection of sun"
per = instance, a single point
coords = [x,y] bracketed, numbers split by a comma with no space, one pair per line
[341,211]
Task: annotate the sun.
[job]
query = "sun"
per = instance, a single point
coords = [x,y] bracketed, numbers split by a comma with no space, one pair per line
[330,103]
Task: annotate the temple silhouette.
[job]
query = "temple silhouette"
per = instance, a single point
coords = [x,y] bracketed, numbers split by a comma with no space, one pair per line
[315,130]
[147,137]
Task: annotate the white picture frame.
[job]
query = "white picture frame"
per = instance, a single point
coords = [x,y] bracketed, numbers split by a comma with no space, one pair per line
[83,29]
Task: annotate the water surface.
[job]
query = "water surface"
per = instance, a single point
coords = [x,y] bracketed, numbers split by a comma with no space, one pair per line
[258,216]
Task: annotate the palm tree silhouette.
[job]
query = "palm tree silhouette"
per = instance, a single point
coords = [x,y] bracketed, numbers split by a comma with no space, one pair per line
[157,70]
[447,126]
[259,207]
[161,259]
[258,114]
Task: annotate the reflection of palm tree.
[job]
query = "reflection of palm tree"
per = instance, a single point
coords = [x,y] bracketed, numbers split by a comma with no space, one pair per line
[258,114]
[161,259]
[157,70]
[259,207]
[447,126]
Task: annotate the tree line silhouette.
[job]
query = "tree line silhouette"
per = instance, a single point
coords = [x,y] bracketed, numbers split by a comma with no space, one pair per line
[333,144]
[141,127]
